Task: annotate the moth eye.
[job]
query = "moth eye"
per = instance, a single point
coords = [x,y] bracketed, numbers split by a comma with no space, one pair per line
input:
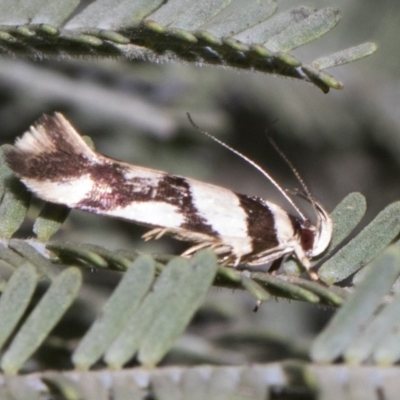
[307,239]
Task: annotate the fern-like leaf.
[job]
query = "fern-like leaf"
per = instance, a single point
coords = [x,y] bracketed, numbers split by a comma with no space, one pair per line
[42,319]
[148,324]
[231,33]
[210,382]
[366,326]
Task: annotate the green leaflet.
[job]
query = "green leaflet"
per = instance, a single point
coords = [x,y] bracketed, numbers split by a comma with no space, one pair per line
[345,56]
[379,338]
[110,14]
[261,33]
[165,312]
[43,265]
[177,313]
[14,199]
[346,216]
[372,240]
[43,318]
[350,320]
[226,23]
[304,31]
[50,220]
[15,299]
[119,308]
[39,11]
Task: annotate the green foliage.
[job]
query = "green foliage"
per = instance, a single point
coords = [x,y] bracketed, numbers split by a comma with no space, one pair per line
[52,306]
[225,33]
[347,333]
[122,330]
[14,200]
[371,241]
[157,296]
[250,382]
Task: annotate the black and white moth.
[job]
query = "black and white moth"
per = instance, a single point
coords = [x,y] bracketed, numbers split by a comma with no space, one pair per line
[56,164]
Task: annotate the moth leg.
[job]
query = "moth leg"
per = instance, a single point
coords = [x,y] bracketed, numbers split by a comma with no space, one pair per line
[195,248]
[155,234]
[237,262]
[305,262]
[276,265]
[222,250]
[282,252]
[307,265]
[231,260]
[269,255]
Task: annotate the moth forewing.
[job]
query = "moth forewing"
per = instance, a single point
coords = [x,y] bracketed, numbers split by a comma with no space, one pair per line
[57,165]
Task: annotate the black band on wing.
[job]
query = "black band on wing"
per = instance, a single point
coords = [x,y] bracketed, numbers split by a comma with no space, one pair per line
[260,223]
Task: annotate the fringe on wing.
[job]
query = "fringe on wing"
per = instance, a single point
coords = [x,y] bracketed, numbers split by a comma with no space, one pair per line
[50,150]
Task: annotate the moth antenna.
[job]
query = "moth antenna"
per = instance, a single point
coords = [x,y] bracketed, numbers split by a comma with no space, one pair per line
[252,163]
[296,173]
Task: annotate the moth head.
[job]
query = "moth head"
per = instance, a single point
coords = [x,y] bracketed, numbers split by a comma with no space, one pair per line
[315,239]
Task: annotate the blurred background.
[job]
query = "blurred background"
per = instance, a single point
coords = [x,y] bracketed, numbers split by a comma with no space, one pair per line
[340,142]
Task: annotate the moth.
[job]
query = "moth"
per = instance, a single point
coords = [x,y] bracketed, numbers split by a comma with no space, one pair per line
[57,165]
